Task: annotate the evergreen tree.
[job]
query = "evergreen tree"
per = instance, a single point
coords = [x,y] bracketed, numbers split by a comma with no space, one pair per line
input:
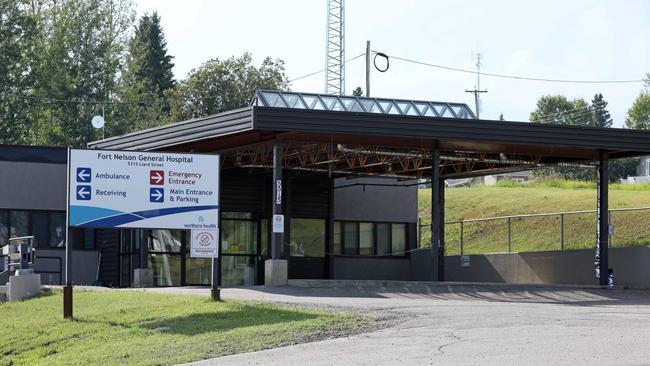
[148,75]
[602,118]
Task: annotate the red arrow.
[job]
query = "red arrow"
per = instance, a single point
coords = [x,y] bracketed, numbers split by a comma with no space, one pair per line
[157,177]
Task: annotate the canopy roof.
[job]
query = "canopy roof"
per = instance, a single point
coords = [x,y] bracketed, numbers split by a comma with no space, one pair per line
[361,136]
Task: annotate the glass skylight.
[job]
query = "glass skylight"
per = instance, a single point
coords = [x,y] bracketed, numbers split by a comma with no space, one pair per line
[282,99]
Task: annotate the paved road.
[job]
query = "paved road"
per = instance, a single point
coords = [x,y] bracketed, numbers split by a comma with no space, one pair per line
[468,325]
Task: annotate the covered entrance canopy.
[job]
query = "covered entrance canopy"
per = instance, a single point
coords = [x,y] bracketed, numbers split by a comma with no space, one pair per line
[357,136]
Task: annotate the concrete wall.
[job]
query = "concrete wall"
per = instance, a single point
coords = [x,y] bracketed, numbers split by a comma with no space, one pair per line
[375,203]
[422,268]
[33,186]
[631,267]
[360,268]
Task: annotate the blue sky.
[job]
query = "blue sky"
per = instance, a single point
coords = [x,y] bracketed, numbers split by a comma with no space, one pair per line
[589,40]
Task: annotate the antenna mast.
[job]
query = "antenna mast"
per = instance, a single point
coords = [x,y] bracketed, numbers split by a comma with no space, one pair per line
[335,48]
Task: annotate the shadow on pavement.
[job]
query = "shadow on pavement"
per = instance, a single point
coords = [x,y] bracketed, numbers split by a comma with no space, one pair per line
[505,293]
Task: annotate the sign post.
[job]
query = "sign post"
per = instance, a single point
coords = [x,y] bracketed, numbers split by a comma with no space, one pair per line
[144,190]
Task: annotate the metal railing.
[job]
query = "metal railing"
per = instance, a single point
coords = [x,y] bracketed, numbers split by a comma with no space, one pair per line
[554,231]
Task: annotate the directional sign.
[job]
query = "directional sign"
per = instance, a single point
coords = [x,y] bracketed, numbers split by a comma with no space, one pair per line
[84,193]
[84,175]
[156,195]
[110,189]
[157,177]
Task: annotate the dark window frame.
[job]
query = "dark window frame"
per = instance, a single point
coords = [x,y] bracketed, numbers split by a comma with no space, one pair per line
[375,248]
[255,218]
[30,222]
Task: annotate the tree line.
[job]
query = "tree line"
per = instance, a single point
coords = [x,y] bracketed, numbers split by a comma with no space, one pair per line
[63,62]
[557,109]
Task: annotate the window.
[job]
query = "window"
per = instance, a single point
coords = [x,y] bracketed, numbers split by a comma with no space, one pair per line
[351,238]
[307,238]
[40,229]
[366,238]
[337,237]
[383,239]
[369,239]
[238,237]
[4,227]
[164,257]
[398,239]
[19,223]
[47,227]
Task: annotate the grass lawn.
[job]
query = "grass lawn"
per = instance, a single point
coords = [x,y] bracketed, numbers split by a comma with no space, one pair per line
[537,234]
[142,328]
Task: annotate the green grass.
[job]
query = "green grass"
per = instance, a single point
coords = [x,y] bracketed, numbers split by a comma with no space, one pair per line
[570,184]
[142,328]
[542,233]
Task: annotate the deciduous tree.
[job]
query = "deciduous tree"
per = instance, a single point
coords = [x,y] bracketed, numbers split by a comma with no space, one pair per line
[221,85]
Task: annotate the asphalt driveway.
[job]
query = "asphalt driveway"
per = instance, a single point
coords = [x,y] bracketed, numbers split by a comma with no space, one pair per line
[465,325]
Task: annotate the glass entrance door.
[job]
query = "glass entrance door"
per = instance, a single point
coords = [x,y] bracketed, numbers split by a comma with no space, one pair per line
[239,248]
[307,248]
[166,257]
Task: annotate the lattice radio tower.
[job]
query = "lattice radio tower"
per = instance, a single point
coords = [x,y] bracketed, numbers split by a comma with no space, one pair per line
[335,48]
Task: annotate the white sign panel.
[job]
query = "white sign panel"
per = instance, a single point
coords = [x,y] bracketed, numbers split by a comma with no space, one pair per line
[278,223]
[464,260]
[131,189]
[205,243]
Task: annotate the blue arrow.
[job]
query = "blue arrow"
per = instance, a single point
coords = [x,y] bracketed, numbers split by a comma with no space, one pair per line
[84,175]
[156,195]
[83,193]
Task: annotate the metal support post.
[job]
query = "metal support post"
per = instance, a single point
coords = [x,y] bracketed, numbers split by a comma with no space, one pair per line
[67,289]
[435,212]
[276,238]
[602,231]
[441,233]
[509,234]
[215,292]
[462,236]
[562,231]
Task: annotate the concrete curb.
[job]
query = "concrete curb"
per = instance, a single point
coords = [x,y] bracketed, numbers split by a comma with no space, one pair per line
[414,284]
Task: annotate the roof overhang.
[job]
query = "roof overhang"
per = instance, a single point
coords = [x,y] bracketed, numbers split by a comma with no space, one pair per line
[480,144]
